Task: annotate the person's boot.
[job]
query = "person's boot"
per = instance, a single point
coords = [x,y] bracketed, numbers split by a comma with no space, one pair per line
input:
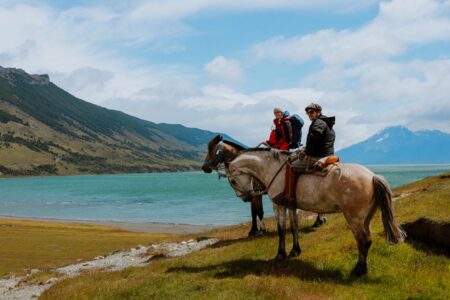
[320,220]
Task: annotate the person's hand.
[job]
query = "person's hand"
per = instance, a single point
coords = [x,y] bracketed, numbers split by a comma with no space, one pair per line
[275,152]
[318,165]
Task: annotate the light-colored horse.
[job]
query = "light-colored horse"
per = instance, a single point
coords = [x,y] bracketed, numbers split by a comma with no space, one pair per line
[220,152]
[348,188]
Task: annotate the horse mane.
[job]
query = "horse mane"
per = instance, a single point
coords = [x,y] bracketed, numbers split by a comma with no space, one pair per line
[243,149]
[264,150]
[237,146]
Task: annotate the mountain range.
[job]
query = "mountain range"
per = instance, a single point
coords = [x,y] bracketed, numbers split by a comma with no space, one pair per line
[399,145]
[45,130]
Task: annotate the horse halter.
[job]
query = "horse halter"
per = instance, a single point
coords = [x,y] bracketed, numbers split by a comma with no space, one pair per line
[217,156]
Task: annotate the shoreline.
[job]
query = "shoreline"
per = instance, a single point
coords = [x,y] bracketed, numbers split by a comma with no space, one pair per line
[7,176]
[142,227]
[3,176]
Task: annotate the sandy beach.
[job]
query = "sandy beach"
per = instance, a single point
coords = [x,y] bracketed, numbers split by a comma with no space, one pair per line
[147,227]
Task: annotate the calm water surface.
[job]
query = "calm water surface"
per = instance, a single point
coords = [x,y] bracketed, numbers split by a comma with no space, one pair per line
[189,198]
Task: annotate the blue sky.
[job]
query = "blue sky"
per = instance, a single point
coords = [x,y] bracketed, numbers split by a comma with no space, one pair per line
[223,65]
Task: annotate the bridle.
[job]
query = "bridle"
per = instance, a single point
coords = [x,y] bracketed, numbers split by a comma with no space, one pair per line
[218,156]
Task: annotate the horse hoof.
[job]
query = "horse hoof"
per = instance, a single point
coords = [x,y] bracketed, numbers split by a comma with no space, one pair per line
[253,233]
[280,256]
[295,252]
[359,271]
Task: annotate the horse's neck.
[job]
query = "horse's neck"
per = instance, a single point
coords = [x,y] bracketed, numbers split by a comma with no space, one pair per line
[265,167]
[229,152]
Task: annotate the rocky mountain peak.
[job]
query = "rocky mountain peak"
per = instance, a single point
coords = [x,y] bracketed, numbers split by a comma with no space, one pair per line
[400,145]
[15,76]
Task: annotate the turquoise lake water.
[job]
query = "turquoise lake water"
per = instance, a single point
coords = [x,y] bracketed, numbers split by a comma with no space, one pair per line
[187,198]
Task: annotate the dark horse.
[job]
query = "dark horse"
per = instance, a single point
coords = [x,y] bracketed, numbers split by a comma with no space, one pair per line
[223,151]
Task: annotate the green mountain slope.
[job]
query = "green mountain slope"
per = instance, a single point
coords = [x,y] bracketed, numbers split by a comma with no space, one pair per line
[45,130]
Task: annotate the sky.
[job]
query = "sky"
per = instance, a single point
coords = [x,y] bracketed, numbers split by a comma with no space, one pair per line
[223,65]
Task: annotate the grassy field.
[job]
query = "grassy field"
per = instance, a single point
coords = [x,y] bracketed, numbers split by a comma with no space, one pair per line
[241,268]
[36,244]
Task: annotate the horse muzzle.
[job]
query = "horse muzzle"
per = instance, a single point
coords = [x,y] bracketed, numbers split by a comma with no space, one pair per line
[206,168]
[247,198]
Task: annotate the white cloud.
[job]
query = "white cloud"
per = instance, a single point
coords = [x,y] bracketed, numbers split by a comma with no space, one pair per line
[224,69]
[399,24]
[76,46]
[175,10]
[86,81]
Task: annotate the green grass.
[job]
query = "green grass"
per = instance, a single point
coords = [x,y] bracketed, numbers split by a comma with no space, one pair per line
[241,268]
[35,244]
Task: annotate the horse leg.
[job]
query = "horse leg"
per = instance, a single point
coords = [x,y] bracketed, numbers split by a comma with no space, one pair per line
[294,229]
[280,215]
[364,242]
[260,213]
[361,233]
[254,230]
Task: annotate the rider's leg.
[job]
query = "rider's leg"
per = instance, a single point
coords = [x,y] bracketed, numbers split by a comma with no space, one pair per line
[320,220]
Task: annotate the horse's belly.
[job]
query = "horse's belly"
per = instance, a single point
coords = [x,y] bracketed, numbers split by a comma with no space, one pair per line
[313,196]
[311,204]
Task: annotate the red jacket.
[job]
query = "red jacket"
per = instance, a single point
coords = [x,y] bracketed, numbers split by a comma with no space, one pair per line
[280,137]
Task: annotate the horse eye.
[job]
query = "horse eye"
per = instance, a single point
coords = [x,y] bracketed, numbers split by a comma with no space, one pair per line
[233,182]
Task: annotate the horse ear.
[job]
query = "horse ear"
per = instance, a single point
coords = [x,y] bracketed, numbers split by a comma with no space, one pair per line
[220,137]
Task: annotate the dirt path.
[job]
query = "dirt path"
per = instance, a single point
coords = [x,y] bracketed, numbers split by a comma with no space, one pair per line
[12,288]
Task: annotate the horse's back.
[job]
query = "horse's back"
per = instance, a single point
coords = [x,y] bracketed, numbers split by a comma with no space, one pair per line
[342,184]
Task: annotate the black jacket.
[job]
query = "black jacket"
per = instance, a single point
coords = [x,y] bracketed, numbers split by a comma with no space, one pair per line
[321,136]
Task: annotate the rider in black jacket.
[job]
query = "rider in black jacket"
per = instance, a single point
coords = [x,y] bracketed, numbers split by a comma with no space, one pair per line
[321,136]
[319,143]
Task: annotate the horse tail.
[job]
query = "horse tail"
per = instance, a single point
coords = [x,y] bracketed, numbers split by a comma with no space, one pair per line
[383,197]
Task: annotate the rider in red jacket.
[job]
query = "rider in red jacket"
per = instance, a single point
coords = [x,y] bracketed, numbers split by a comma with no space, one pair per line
[281,135]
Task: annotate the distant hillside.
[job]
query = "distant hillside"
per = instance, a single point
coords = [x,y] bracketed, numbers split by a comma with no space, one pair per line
[45,130]
[399,145]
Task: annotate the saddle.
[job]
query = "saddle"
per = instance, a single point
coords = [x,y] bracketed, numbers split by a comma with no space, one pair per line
[321,168]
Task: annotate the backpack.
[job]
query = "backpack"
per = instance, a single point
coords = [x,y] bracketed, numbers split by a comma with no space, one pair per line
[297,125]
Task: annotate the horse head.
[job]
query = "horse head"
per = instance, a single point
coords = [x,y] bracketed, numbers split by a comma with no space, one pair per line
[219,151]
[213,157]
[242,184]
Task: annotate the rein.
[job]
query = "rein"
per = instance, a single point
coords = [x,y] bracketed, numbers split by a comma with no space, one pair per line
[265,190]
[221,165]
[259,193]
